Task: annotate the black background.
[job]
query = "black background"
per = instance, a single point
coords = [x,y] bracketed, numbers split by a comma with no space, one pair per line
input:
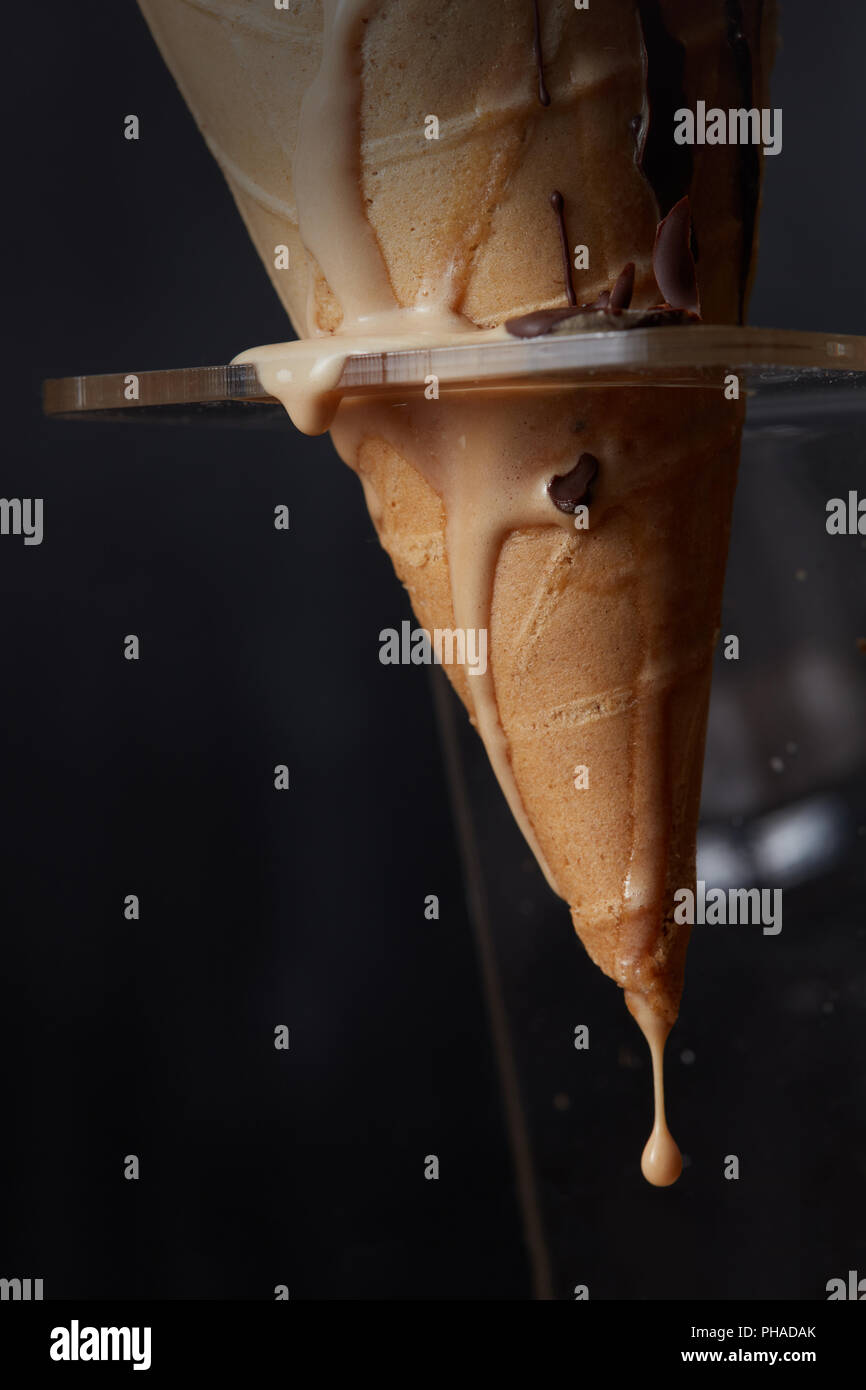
[156,1038]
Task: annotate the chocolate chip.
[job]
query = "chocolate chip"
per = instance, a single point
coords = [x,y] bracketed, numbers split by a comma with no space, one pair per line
[568,490]
[539,322]
[673,263]
[620,295]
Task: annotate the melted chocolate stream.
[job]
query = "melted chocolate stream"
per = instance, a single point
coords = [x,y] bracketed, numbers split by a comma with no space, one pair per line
[558,205]
[750,159]
[666,166]
[543,94]
[568,490]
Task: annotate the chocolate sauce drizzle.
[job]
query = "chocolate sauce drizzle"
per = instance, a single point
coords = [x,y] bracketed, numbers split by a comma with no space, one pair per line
[543,93]
[567,490]
[558,205]
[750,159]
[666,166]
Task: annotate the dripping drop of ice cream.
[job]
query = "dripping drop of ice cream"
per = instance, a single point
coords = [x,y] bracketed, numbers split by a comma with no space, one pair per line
[661,1161]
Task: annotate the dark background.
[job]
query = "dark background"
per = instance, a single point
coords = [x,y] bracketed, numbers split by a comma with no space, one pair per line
[156,1037]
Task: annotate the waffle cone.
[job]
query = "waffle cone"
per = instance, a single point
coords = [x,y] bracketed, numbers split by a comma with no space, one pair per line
[600,642]
[600,645]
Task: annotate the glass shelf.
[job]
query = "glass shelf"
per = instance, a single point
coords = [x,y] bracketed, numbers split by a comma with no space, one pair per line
[771,362]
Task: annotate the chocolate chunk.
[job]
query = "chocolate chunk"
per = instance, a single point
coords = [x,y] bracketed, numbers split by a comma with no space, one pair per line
[539,322]
[568,490]
[620,295]
[673,264]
